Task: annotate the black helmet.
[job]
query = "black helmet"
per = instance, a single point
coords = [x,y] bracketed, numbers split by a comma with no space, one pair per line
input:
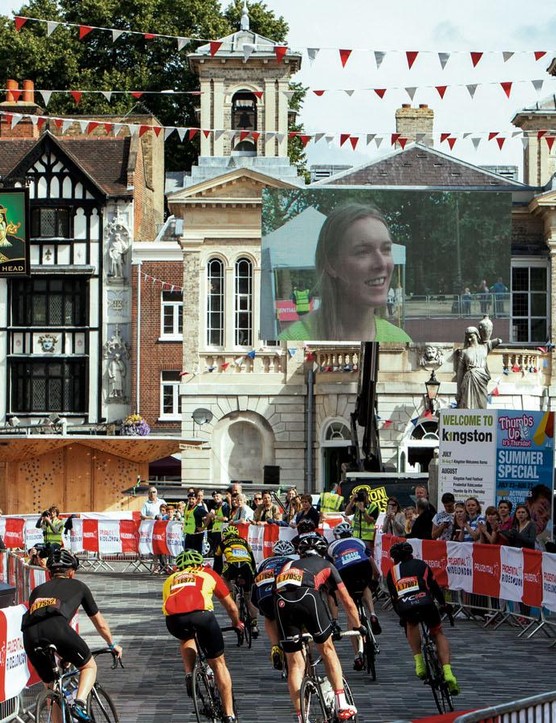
[60,559]
[306,526]
[401,551]
[312,544]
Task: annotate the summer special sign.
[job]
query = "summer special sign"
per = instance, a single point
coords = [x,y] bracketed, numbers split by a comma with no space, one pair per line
[14,233]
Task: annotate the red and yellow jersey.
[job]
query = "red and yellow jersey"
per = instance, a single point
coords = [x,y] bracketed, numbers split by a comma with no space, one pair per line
[192,589]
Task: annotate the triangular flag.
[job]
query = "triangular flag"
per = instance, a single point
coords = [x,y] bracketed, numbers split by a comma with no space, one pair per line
[475,58]
[329,138]
[495,392]
[500,142]
[218,134]
[441,90]
[471,88]
[91,126]
[16,94]
[319,92]
[492,135]
[51,26]
[292,351]
[107,94]
[507,87]
[344,56]
[317,137]
[349,92]
[403,142]
[354,140]
[84,30]
[541,133]
[379,57]
[143,129]
[537,84]
[206,133]
[168,132]
[182,42]
[183,373]
[19,22]
[108,127]
[343,138]
[378,141]
[137,93]
[381,92]
[420,137]
[539,54]
[181,133]
[149,36]
[550,141]
[76,95]
[258,93]
[394,138]
[214,46]
[414,421]
[452,142]
[251,354]
[83,125]
[248,50]
[289,94]
[238,361]
[387,423]
[280,51]
[444,137]
[192,132]
[411,92]
[370,137]
[506,55]
[16,118]
[66,124]
[46,95]
[305,139]
[475,141]
[116,34]
[443,57]
[312,53]
[411,56]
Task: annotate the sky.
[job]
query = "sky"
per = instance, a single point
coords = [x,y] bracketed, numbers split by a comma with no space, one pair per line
[430,27]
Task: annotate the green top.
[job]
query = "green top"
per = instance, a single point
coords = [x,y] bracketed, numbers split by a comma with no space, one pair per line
[304,330]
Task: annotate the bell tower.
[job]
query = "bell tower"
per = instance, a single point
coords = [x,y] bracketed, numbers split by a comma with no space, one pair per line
[244,97]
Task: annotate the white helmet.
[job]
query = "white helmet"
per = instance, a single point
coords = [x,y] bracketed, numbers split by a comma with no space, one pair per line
[342,530]
[283,548]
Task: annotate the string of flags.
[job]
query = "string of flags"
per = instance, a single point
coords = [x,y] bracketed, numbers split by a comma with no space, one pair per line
[166,285]
[343,54]
[89,126]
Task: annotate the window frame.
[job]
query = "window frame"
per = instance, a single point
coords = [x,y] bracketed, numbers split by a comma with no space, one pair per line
[62,222]
[217,298]
[175,307]
[174,386]
[529,264]
[243,303]
[25,307]
[73,381]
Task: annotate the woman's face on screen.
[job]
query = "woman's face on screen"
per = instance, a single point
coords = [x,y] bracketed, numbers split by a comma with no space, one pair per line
[364,264]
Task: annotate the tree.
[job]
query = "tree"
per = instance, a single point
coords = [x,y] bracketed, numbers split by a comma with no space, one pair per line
[132,62]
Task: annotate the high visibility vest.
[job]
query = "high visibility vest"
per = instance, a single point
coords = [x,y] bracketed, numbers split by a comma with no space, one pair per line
[330,502]
[52,537]
[361,528]
[219,519]
[302,301]
[189,523]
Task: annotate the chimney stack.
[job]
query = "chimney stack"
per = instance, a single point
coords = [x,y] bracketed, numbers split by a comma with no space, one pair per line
[415,124]
[27,106]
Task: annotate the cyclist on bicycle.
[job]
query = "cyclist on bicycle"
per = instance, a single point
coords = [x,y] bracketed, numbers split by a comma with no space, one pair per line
[52,605]
[359,573]
[300,598]
[238,565]
[263,595]
[413,590]
[189,609]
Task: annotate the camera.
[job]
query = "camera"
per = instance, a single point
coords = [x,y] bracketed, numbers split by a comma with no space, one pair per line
[46,513]
[361,496]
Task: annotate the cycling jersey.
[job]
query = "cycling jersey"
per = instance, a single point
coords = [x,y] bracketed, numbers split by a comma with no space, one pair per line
[348,551]
[192,589]
[59,597]
[308,572]
[235,551]
[412,585]
[263,589]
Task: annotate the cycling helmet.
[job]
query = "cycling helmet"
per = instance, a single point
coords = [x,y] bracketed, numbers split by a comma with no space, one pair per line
[283,548]
[401,551]
[60,559]
[230,531]
[189,558]
[306,526]
[342,530]
[312,544]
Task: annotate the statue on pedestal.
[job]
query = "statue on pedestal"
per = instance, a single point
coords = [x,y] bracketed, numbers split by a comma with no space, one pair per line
[472,374]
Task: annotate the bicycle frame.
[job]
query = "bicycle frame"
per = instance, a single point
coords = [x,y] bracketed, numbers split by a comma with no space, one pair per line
[435,674]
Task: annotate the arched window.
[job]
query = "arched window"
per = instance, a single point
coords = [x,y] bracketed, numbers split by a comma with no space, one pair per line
[243,303]
[215,303]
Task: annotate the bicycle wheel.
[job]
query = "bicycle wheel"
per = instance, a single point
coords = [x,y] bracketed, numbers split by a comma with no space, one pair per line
[349,699]
[435,678]
[245,618]
[100,706]
[206,698]
[369,644]
[313,704]
[48,707]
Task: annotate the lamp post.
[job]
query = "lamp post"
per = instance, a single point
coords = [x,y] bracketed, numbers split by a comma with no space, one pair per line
[432,385]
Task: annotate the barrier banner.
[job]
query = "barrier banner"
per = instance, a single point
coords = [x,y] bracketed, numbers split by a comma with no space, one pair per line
[174,537]
[11,529]
[532,577]
[75,541]
[146,537]
[32,534]
[511,574]
[90,535]
[255,538]
[486,570]
[109,537]
[459,566]
[435,555]
[549,581]
[158,539]
[14,672]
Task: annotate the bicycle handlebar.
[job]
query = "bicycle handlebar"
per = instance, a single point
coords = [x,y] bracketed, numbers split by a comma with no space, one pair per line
[237,631]
[115,658]
[307,637]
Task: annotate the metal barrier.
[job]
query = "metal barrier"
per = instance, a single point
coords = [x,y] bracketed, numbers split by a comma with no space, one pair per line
[538,708]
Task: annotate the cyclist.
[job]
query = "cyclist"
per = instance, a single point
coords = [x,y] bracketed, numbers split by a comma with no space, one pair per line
[52,605]
[359,573]
[238,563]
[263,595]
[188,607]
[300,591]
[413,590]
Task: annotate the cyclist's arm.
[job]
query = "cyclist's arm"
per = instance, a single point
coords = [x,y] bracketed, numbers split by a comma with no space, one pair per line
[103,629]
[231,608]
[435,588]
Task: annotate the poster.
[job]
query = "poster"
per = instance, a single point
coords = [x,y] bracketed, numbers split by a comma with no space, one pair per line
[14,232]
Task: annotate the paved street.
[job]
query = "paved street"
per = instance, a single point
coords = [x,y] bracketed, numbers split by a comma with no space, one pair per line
[492,666]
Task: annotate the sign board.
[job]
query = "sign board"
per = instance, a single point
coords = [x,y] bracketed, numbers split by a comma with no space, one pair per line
[14,232]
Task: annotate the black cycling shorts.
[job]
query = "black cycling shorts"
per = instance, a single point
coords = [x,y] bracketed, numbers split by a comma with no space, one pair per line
[300,610]
[55,631]
[428,614]
[357,578]
[266,607]
[240,572]
[184,625]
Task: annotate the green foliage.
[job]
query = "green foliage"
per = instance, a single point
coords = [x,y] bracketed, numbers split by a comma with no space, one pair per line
[63,62]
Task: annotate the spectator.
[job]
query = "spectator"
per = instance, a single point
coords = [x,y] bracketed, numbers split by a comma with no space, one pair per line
[330,502]
[460,520]
[474,518]
[162,512]
[489,530]
[267,511]
[466,299]
[394,520]
[422,527]
[193,523]
[499,289]
[523,532]
[215,520]
[443,522]
[151,508]
[365,514]
[505,513]
[292,506]
[539,504]
[52,528]
[35,559]
[422,493]
[307,513]
[257,500]
[409,514]
[171,512]
[484,297]
[240,510]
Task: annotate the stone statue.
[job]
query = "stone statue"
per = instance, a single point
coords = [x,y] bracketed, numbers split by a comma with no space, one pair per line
[118,246]
[472,374]
[117,372]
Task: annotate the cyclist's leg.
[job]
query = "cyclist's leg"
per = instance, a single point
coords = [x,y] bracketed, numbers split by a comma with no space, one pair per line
[224,683]
[443,650]
[296,670]
[413,633]
[289,620]
[188,654]
[333,669]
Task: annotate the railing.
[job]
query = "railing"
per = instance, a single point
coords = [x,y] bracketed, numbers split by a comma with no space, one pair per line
[541,708]
[455,306]
[260,362]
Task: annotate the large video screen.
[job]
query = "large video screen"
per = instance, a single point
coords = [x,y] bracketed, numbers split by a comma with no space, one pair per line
[383,265]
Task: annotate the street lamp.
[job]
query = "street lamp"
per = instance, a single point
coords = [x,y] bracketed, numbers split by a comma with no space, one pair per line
[432,385]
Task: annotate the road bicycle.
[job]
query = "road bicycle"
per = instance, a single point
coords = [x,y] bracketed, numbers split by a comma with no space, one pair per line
[54,704]
[318,701]
[369,644]
[434,672]
[206,696]
[243,609]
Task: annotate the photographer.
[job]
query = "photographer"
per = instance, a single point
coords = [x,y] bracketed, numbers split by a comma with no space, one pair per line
[52,528]
[365,514]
